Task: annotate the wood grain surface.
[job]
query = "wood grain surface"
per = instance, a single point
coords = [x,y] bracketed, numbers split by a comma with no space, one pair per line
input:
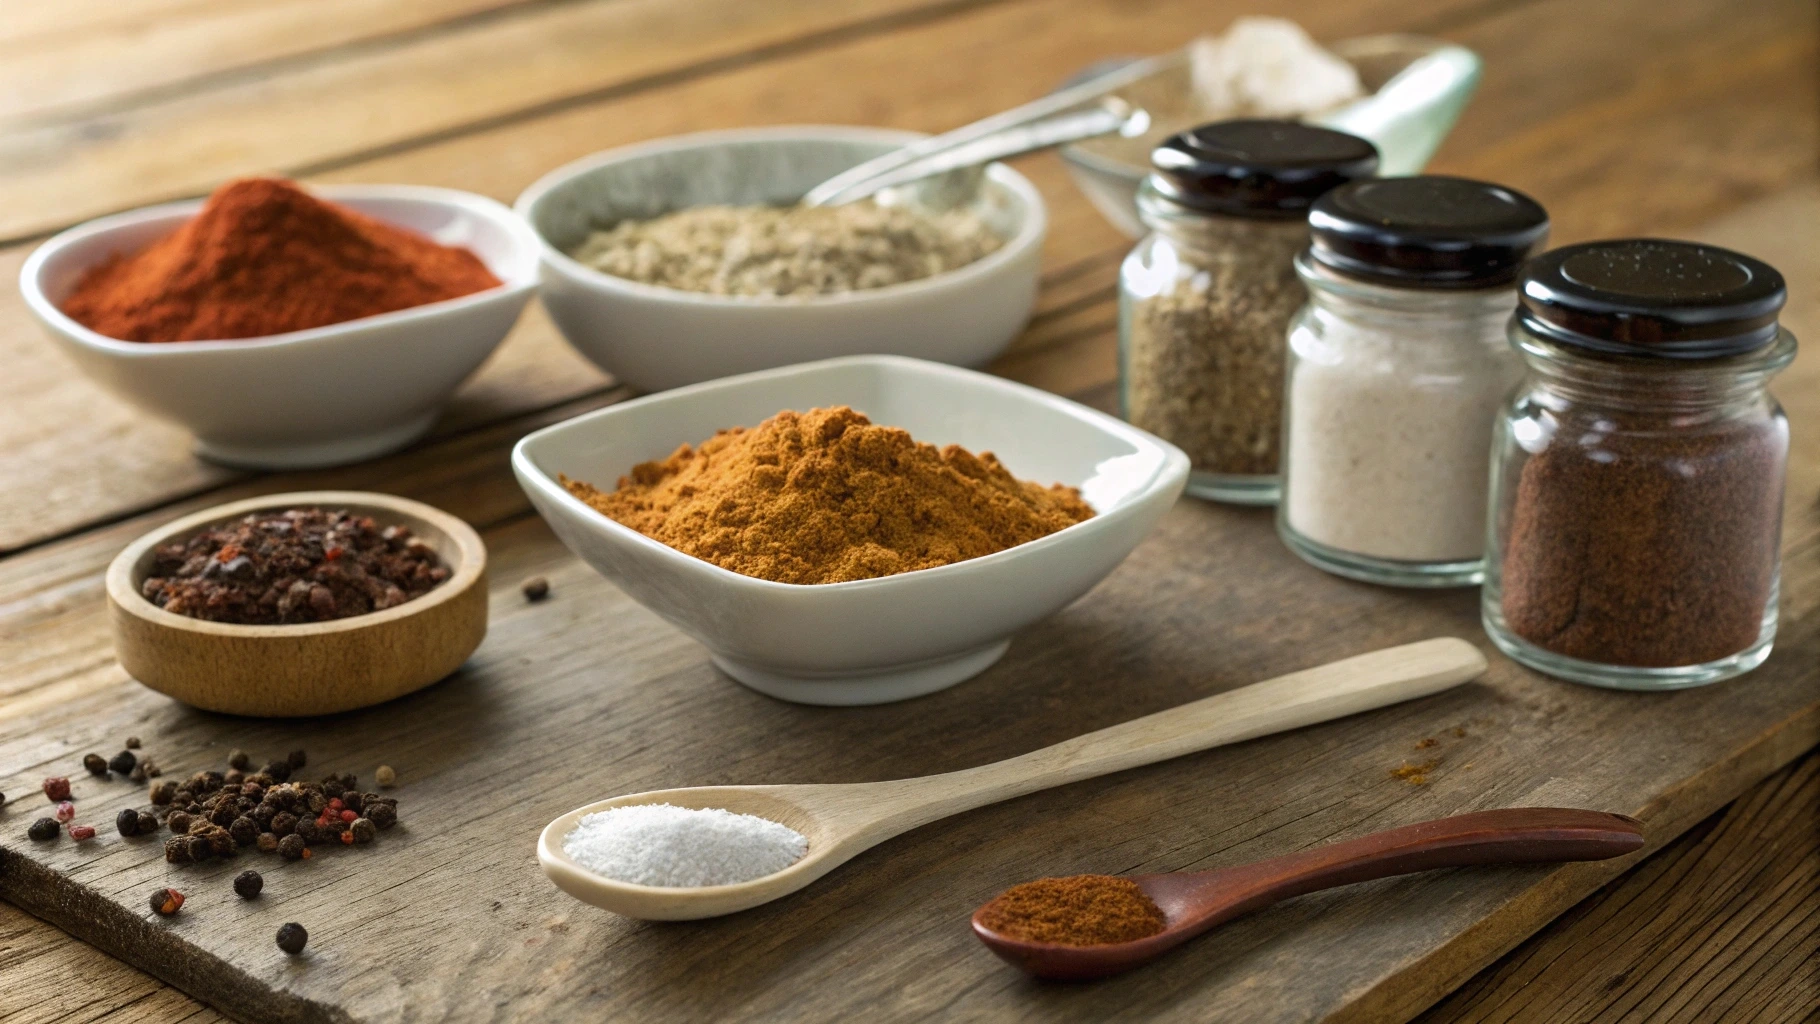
[1673,117]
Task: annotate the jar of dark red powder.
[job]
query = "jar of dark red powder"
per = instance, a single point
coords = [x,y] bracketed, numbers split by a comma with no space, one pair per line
[1638,471]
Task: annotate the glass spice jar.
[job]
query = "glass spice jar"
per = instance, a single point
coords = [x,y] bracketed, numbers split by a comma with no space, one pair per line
[1205,298]
[1397,368]
[1639,470]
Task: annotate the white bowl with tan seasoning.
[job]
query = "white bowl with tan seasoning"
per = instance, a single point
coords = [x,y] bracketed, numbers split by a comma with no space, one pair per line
[875,640]
[314,668]
[654,337]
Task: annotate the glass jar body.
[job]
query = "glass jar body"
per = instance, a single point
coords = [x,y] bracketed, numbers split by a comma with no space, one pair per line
[1204,304]
[1391,398]
[1636,519]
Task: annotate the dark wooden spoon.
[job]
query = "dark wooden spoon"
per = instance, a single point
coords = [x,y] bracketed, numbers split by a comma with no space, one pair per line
[1194,901]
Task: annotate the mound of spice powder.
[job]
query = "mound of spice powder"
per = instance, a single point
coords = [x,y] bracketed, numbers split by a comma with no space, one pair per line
[300,565]
[1080,910]
[827,496]
[265,257]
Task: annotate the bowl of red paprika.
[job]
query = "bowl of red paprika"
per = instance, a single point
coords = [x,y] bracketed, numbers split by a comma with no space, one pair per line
[384,299]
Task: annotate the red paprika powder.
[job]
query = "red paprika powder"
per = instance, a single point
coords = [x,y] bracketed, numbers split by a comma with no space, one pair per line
[265,257]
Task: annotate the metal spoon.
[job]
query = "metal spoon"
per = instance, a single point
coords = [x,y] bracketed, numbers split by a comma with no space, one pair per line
[841,821]
[1195,901]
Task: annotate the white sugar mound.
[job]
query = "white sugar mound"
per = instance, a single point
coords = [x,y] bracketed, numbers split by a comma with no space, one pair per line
[1269,67]
[658,844]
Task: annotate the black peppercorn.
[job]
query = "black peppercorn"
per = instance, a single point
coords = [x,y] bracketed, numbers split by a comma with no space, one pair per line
[179,821]
[239,759]
[291,847]
[44,828]
[198,848]
[349,781]
[317,802]
[363,830]
[279,770]
[137,774]
[152,771]
[332,787]
[352,801]
[536,588]
[383,815]
[222,843]
[244,830]
[127,821]
[148,821]
[267,842]
[123,762]
[177,849]
[132,743]
[291,938]
[95,763]
[166,902]
[284,823]
[247,884]
[234,777]
[297,759]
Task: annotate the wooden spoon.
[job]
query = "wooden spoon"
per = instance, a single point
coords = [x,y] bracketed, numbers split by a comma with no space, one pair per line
[1194,901]
[840,821]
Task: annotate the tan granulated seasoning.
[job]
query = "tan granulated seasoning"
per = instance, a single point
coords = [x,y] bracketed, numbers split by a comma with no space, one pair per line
[789,250]
[827,496]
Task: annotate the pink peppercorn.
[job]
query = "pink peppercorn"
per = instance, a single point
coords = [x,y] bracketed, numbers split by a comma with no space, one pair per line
[82,832]
[336,804]
[65,811]
[57,787]
[348,815]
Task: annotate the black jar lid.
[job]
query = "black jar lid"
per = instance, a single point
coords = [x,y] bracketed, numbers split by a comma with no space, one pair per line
[1258,168]
[1426,232]
[1651,297]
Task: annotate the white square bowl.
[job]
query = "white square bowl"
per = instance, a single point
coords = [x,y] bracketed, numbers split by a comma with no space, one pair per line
[878,640]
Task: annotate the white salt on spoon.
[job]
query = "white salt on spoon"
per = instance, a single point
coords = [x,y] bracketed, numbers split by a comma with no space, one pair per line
[677,847]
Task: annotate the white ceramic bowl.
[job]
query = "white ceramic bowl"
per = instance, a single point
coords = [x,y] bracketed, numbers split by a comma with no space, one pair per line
[319,397]
[878,640]
[655,338]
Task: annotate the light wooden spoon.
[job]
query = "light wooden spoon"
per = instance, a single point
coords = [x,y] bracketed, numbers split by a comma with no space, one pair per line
[841,821]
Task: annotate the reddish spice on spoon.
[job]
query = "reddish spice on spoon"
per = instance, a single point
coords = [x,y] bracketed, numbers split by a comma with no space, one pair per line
[1080,910]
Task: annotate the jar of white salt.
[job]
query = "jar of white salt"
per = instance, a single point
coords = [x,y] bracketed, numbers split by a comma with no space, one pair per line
[1398,365]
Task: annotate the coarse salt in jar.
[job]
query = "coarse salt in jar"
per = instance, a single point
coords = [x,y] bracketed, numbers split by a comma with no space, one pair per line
[1397,368]
[1205,298]
[1638,485]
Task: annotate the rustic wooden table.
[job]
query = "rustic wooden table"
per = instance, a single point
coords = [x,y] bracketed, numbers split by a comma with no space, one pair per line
[1673,117]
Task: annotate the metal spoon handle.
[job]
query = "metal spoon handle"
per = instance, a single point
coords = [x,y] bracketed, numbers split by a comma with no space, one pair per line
[854,183]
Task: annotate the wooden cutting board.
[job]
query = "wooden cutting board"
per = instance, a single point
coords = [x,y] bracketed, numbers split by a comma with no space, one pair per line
[587,695]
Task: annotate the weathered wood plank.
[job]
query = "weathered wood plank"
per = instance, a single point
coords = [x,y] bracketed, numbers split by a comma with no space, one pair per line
[59,59]
[1722,925]
[588,694]
[48,412]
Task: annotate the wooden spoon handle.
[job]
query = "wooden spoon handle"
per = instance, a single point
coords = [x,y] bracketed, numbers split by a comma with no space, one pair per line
[1313,695]
[1523,835]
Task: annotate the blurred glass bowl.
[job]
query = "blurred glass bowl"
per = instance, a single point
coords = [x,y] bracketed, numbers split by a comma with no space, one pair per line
[1418,87]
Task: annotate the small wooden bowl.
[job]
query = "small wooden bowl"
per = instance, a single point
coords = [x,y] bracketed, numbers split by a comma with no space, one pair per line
[314,668]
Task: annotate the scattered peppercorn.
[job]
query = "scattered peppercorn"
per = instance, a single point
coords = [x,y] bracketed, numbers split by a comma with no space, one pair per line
[239,759]
[137,774]
[292,847]
[95,763]
[363,830]
[536,588]
[386,777]
[177,849]
[179,821]
[65,811]
[57,788]
[166,902]
[148,821]
[267,843]
[291,938]
[297,759]
[43,828]
[132,743]
[234,777]
[247,884]
[244,830]
[278,770]
[82,833]
[162,792]
[152,771]
[382,814]
[123,762]
[127,821]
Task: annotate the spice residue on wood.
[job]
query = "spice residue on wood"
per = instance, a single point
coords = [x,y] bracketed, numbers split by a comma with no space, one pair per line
[827,497]
[1415,774]
[266,257]
[1080,910]
[300,565]
[798,251]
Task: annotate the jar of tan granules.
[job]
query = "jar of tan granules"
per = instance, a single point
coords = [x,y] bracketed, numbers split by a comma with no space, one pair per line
[1398,366]
[1639,468]
[1205,300]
